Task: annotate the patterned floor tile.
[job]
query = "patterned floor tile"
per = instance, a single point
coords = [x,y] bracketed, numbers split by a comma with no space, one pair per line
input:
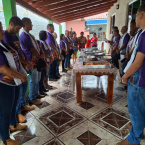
[114,121]
[86,105]
[54,142]
[60,120]
[43,105]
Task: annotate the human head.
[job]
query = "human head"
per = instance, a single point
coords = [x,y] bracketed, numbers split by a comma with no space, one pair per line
[27,24]
[133,27]
[116,33]
[55,35]
[140,17]
[124,29]
[1,32]
[114,28]
[70,34]
[88,37]
[66,33]
[82,34]
[62,37]
[94,34]
[71,29]
[15,24]
[74,35]
[50,28]
[42,35]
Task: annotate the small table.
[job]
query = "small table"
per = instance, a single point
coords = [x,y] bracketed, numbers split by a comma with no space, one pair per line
[78,70]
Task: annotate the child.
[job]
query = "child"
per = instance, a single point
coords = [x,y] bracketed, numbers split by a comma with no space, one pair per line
[88,44]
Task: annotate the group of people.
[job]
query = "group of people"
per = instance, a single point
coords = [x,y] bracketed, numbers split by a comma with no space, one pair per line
[128,55]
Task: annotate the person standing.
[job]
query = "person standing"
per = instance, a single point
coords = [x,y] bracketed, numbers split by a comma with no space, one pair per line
[12,40]
[32,51]
[94,40]
[135,79]
[88,44]
[82,41]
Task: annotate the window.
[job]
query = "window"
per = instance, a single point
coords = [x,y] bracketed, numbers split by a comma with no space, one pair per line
[112,23]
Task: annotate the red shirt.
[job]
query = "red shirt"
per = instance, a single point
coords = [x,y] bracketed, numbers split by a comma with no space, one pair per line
[94,40]
[88,43]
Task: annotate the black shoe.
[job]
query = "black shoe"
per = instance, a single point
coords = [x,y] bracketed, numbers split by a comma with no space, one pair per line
[50,87]
[59,75]
[52,79]
[45,90]
[65,71]
[43,93]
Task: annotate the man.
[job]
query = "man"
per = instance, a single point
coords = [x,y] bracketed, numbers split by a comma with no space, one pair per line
[94,40]
[12,40]
[32,51]
[54,53]
[59,52]
[135,79]
[82,41]
[114,55]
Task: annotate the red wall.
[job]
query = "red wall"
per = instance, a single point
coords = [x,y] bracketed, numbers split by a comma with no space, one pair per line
[77,26]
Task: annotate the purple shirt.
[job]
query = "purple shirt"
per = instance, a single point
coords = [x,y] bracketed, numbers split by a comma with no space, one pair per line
[13,41]
[42,46]
[126,39]
[141,48]
[26,44]
[50,41]
[117,40]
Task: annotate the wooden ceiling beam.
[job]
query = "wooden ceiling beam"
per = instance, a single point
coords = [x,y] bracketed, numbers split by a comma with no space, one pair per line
[76,6]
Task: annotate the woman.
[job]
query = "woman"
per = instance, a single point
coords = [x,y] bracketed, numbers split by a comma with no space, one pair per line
[63,47]
[88,44]
[94,40]
[12,75]
[82,41]
[75,43]
[44,81]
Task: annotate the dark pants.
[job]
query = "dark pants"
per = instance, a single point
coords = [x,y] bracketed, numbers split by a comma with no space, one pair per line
[94,45]
[41,85]
[52,69]
[64,55]
[57,68]
[8,101]
[115,58]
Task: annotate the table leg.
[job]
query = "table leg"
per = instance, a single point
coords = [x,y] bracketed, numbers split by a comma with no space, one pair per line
[78,88]
[110,89]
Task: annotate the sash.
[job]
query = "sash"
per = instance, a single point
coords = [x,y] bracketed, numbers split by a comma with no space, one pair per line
[12,65]
[134,52]
[53,38]
[65,45]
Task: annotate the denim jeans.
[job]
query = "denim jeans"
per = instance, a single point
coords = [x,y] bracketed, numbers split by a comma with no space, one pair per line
[136,107]
[67,61]
[35,77]
[52,69]
[22,100]
[41,82]
[8,101]
[57,68]
[94,45]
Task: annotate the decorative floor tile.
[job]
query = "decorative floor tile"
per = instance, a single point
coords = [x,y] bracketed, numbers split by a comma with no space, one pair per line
[120,89]
[114,121]
[60,120]
[86,105]
[43,105]
[54,142]
[89,138]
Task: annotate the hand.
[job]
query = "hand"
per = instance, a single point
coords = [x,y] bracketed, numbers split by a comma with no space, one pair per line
[42,56]
[23,78]
[29,65]
[117,51]
[124,80]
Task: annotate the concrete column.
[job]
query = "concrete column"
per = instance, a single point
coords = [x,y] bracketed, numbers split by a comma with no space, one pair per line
[50,22]
[60,29]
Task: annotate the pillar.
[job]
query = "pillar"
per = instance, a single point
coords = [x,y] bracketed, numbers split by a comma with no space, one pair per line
[50,22]
[9,7]
[60,29]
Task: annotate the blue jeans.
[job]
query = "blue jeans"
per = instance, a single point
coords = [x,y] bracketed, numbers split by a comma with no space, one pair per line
[8,101]
[94,45]
[35,77]
[136,107]
[52,69]
[21,101]
[67,61]
[57,68]
[41,85]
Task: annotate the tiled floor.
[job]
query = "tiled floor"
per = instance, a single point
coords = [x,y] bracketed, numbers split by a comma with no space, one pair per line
[61,121]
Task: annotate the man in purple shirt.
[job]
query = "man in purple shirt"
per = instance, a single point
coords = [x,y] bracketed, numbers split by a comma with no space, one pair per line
[12,40]
[54,53]
[31,49]
[135,78]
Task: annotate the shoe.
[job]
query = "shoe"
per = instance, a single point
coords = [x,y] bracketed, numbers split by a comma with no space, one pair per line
[28,108]
[52,79]
[59,76]
[41,96]
[129,126]
[36,102]
[50,86]
[67,68]
[65,71]
[45,90]
[125,142]
[21,118]
[17,127]
[11,142]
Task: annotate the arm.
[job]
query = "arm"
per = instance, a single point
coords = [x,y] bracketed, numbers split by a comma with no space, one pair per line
[12,73]
[123,47]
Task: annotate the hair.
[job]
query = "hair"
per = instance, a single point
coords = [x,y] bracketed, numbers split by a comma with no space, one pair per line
[82,33]
[133,22]
[16,21]
[42,35]
[94,33]
[141,8]
[116,31]
[50,26]
[61,36]
[88,35]
[73,33]
[25,20]
[66,31]
[125,27]
[115,28]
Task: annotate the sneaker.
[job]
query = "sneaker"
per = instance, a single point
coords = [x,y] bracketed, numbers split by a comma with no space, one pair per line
[28,108]
[65,71]
[17,127]
[11,142]
[36,102]
[45,90]
[43,94]
[21,118]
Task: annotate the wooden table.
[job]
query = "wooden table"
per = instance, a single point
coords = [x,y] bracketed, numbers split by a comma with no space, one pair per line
[78,70]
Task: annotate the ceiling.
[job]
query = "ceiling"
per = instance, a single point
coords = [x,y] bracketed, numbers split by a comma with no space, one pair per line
[66,10]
